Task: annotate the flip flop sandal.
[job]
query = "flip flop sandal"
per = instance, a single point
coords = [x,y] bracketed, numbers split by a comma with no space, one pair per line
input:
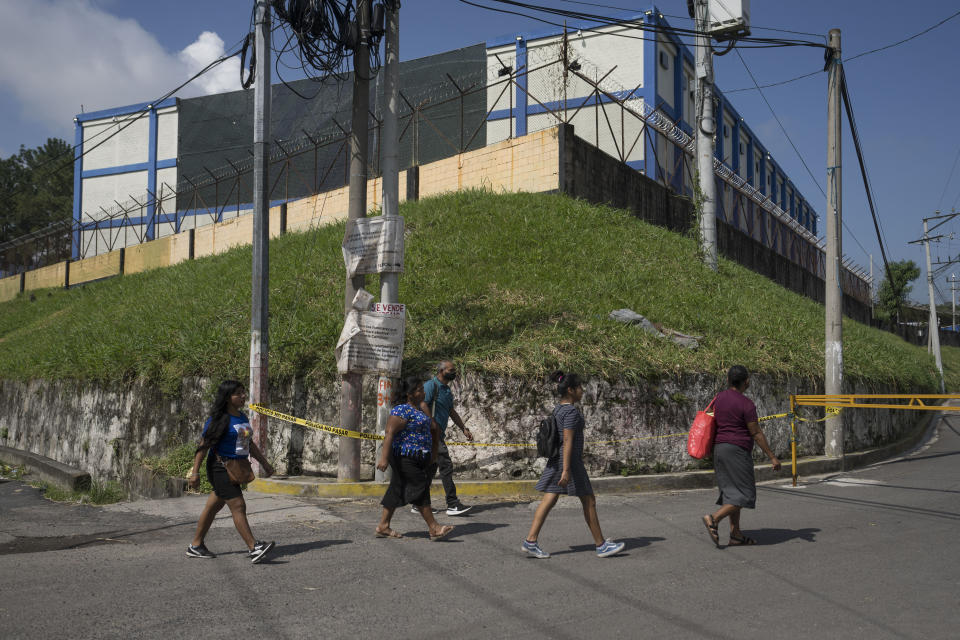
[444,532]
[388,534]
[742,541]
[712,530]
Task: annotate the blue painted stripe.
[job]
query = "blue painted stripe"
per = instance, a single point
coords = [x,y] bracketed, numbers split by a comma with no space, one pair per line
[123,111]
[129,168]
[522,98]
[171,218]
[557,105]
[77,188]
[152,174]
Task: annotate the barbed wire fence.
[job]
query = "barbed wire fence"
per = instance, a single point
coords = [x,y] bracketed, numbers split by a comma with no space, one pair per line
[450,116]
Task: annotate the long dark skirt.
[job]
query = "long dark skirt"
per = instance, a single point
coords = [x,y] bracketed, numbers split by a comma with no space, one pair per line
[409,483]
[734,470]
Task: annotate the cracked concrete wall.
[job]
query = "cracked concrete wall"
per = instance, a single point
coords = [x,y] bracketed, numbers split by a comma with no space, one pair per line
[107,430]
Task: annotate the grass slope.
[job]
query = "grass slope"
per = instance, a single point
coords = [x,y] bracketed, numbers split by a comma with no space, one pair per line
[514,284]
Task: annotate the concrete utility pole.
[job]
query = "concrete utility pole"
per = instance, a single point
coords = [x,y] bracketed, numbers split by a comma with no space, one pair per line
[953,280]
[389,282]
[348,461]
[833,339]
[706,144]
[259,317]
[933,328]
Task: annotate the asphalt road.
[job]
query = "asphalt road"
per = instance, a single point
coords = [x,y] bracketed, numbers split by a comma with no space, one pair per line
[868,554]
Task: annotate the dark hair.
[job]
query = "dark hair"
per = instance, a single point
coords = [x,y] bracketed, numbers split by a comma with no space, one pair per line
[737,375]
[405,389]
[219,415]
[565,382]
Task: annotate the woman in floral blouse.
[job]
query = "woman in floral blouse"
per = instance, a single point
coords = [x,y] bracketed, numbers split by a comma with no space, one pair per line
[409,448]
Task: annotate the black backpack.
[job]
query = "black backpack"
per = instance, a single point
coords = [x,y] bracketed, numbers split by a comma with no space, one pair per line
[548,437]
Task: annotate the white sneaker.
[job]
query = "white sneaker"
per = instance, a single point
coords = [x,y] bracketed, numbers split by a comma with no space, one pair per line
[458,510]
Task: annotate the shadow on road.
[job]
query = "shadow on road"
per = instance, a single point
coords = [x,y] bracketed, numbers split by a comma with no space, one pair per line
[284,550]
[460,530]
[778,536]
[631,543]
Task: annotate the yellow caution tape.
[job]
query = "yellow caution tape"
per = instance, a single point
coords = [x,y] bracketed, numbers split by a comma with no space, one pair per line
[337,431]
[347,433]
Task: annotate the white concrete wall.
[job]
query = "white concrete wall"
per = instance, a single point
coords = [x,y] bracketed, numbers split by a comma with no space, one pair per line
[167,123]
[665,53]
[129,144]
[598,52]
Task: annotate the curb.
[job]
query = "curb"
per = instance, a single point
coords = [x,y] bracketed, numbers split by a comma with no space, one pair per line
[46,469]
[685,480]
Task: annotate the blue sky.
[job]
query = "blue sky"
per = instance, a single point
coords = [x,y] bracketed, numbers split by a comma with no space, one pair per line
[61,54]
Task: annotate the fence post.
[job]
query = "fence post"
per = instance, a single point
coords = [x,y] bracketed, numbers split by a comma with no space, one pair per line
[192,242]
[413,183]
[283,218]
[23,281]
[123,259]
[66,274]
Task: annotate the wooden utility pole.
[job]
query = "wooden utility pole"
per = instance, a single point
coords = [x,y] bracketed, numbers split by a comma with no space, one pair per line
[260,317]
[833,339]
[348,460]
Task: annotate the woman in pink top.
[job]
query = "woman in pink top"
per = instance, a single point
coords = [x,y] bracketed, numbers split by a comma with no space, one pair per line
[737,430]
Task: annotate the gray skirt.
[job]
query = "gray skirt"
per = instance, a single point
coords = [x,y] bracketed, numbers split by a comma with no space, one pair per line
[734,470]
[577,485]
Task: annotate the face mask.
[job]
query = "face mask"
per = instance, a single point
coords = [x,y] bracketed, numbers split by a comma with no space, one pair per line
[451,376]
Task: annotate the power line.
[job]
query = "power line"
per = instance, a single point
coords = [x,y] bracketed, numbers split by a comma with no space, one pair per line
[601,20]
[671,15]
[132,118]
[949,178]
[799,155]
[859,55]
[845,94]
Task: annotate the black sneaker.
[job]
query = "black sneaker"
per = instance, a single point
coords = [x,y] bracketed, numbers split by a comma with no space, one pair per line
[260,550]
[417,511]
[200,551]
[458,509]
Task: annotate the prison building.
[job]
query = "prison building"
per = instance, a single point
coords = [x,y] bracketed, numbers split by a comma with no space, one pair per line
[150,170]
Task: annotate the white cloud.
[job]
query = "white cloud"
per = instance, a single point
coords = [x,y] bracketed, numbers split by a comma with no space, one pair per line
[207,48]
[60,54]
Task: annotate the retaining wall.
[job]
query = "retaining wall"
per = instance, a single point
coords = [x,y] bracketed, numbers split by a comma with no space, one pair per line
[106,430]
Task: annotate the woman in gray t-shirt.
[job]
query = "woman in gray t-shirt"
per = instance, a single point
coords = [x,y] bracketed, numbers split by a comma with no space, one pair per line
[565,472]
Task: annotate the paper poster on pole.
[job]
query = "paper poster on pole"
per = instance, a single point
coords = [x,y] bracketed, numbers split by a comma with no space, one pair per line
[373,245]
[372,341]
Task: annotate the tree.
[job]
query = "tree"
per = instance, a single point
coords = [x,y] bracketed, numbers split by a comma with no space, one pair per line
[36,188]
[892,294]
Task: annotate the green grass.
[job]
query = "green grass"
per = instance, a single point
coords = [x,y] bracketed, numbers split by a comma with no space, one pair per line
[513,285]
[98,493]
[177,462]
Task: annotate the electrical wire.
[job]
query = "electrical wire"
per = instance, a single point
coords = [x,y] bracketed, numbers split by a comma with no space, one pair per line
[131,119]
[606,21]
[949,178]
[845,95]
[672,15]
[799,155]
[854,57]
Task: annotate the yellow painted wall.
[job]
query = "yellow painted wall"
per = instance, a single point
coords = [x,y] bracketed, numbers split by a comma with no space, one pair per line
[529,164]
[217,238]
[149,255]
[45,277]
[9,288]
[101,266]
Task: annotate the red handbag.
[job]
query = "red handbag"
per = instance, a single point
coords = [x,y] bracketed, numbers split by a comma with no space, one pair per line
[700,439]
